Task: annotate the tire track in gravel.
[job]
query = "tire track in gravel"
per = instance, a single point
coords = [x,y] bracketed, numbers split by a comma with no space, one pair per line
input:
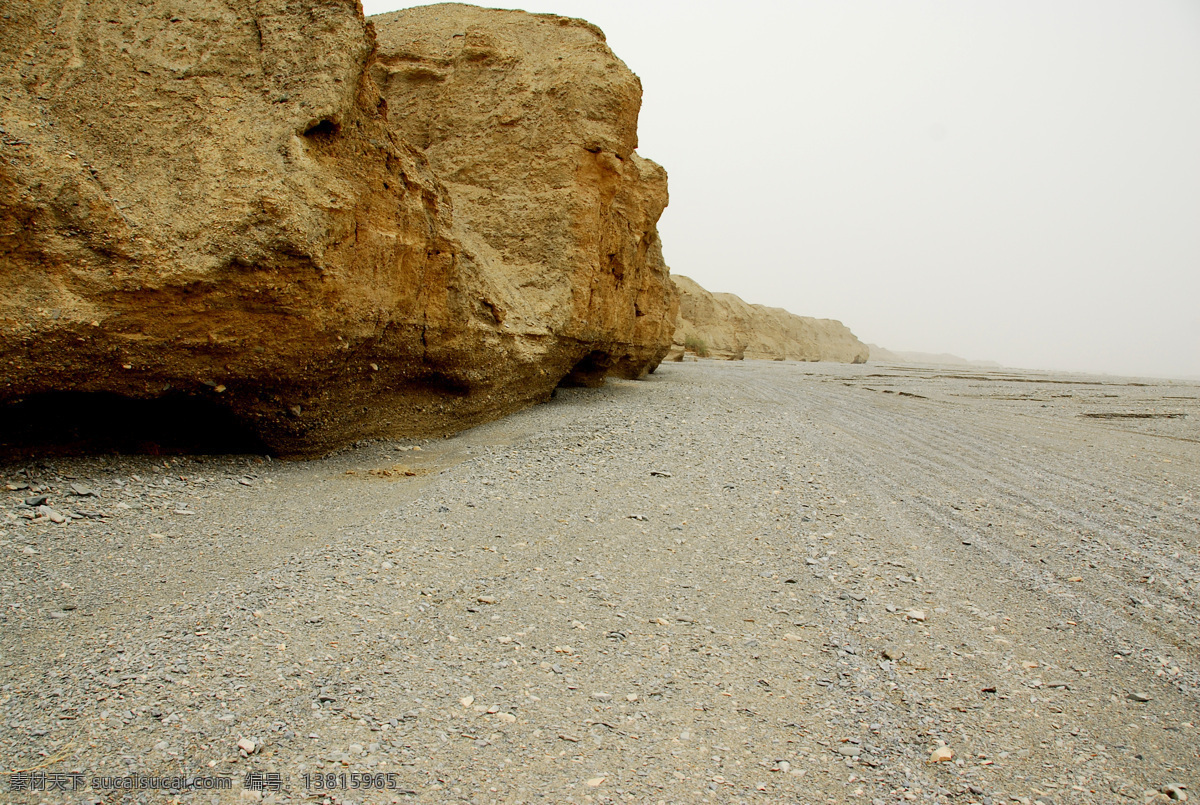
[1050,518]
[907,454]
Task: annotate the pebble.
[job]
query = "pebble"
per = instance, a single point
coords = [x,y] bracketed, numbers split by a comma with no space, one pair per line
[51,514]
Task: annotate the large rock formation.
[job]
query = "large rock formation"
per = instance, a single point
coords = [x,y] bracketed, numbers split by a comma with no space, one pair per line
[531,123]
[723,326]
[213,199]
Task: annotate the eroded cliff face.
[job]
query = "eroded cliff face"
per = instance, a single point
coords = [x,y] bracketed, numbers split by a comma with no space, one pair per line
[208,199]
[732,329]
[531,122]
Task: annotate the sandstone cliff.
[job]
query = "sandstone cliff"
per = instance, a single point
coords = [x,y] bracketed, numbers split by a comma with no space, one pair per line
[531,122]
[729,328]
[212,200]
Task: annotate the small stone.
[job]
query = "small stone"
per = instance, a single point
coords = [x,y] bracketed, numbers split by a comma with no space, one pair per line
[467,701]
[602,697]
[51,514]
[848,750]
[1175,792]
[247,746]
[1136,696]
[36,500]
[83,491]
[917,615]
[660,473]
[596,782]
[892,653]
[1075,579]
[941,754]
[507,718]
[486,599]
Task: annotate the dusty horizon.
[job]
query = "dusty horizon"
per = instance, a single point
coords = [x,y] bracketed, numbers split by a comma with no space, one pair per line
[1010,182]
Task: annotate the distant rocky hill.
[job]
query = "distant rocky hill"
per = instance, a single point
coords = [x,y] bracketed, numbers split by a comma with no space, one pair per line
[880,354]
[324,228]
[721,325]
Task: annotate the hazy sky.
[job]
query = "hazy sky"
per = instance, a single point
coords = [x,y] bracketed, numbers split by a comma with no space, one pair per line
[1012,181]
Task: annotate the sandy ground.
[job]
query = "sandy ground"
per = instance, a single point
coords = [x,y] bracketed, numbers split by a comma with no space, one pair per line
[733,582]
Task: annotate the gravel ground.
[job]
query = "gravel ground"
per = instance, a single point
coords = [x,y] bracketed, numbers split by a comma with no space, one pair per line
[732,582]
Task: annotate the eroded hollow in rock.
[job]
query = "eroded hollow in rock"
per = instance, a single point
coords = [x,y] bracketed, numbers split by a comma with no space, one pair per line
[84,423]
[590,371]
[322,130]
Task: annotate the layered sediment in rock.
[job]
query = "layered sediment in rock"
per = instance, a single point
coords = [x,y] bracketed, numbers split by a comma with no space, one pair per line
[214,201]
[721,325]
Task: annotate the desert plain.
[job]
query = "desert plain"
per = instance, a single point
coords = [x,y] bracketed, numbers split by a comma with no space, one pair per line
[758,581]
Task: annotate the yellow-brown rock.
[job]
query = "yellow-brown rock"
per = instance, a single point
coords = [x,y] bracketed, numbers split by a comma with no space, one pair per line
[531,123]
[207,200]
[725,327]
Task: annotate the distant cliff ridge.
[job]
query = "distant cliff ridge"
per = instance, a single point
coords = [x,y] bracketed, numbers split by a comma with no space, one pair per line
[882,355]
[721,325]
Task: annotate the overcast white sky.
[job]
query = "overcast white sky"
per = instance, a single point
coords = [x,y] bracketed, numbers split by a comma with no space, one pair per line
[1010,181]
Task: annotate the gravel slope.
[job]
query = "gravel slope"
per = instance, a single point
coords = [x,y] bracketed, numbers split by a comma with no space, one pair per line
[836,571]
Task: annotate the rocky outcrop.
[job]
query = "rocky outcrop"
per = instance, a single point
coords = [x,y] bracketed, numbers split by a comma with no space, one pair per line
[531,122]
[721,325]
[214,201]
